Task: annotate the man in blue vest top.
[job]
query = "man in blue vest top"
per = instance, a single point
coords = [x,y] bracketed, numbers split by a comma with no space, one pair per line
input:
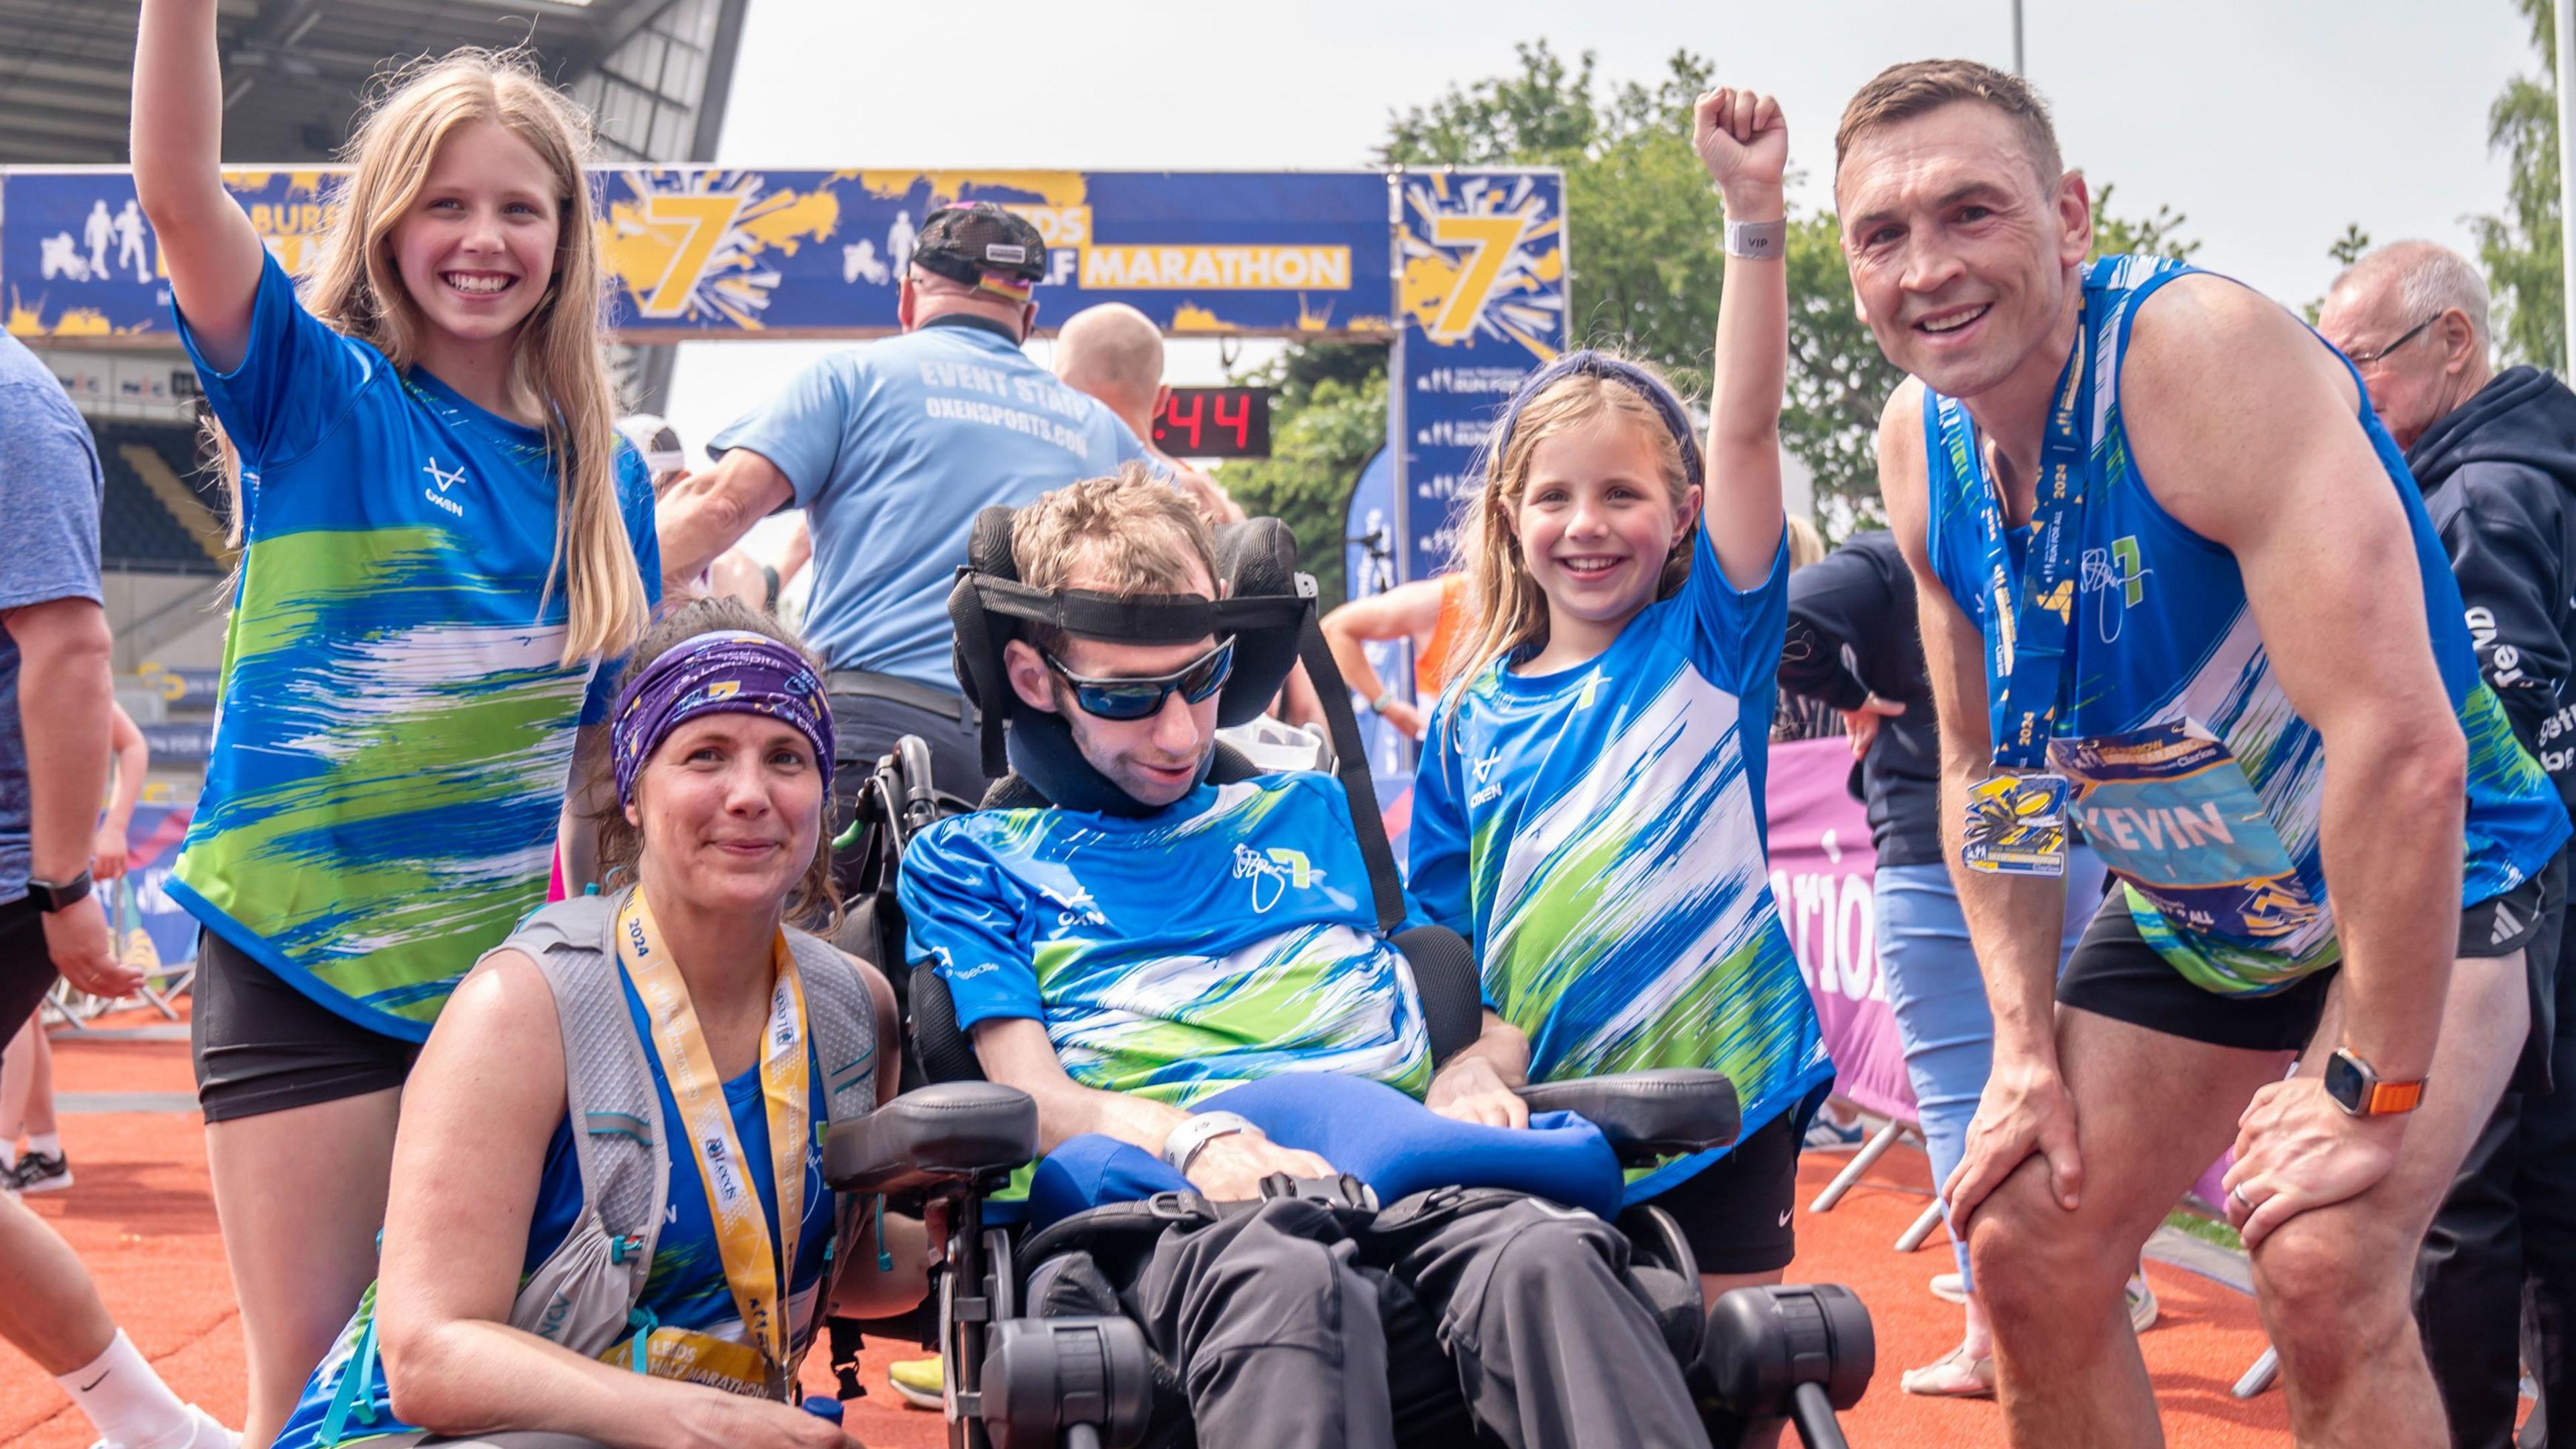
[2178,589]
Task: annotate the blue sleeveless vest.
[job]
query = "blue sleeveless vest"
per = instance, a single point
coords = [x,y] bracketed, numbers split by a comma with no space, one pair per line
[2193,776]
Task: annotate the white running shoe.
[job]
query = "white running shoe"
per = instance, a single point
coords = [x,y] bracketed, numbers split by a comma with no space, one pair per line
[205,1432]
[2142,1302]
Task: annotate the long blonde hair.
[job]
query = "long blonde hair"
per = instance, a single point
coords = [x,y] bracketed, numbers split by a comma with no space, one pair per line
[358,292]
[1508,612]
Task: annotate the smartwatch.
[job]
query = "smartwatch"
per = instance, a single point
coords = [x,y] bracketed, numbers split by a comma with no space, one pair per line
[2356,1088]
[52,896]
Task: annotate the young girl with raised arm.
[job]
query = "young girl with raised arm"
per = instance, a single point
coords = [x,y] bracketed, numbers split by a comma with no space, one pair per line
[441,541]
[1589,809]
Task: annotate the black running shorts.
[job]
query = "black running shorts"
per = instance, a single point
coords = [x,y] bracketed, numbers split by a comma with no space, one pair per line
[263,1046]
[2115,973]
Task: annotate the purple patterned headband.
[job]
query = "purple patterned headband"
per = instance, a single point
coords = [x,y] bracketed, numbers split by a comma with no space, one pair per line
[728,671]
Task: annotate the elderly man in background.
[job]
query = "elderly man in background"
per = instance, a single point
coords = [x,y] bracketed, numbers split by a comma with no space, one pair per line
[1115,353]
[2495,454]
[892,449]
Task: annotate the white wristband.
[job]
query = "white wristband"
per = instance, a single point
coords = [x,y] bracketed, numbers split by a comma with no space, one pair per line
[1379,704]
[1185,1140]
[1757,241]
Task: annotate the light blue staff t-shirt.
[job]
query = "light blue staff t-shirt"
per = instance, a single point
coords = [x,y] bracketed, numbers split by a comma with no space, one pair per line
[50,493]
[893,448]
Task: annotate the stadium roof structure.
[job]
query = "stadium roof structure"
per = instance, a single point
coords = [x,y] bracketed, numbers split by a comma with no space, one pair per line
[655,72]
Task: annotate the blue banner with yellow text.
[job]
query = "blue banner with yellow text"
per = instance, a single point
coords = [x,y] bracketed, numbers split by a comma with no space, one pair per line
[706,252]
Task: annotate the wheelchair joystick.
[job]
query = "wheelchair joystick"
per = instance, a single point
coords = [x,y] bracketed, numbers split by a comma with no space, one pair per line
[1791,1352]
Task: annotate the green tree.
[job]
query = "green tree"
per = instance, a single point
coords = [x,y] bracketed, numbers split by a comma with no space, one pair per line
[1328,417]
[2521,248]
[2158,235]
[1645,276]
[2349,247]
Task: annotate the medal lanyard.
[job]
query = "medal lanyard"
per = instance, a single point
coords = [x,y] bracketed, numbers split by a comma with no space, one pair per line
[2034,624]
[742,1228]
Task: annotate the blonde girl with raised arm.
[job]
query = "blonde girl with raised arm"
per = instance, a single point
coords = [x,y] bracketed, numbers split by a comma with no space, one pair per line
[442,542]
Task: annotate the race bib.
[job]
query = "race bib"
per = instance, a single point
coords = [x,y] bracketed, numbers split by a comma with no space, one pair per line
[2171,813]
[2016,825]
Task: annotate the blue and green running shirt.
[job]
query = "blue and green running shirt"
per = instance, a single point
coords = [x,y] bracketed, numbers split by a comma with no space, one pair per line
[396,721]
[2193,776]
[1597,833]
[685,1291]
[1225,939]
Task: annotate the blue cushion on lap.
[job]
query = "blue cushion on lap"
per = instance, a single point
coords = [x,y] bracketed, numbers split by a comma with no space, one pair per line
[1367,1129]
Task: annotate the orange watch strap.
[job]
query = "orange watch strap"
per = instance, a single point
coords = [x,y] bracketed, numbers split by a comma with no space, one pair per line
[2390,1098]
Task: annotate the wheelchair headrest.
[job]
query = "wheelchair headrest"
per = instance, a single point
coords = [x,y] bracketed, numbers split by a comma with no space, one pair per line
[1267,604]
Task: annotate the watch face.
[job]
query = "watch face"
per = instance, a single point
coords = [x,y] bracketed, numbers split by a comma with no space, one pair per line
[2345,1082]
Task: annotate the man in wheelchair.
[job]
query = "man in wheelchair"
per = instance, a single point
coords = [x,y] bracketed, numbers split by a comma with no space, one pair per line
[1124,940]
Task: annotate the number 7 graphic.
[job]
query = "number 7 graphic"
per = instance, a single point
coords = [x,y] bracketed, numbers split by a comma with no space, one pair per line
[1492,238]
[707,218]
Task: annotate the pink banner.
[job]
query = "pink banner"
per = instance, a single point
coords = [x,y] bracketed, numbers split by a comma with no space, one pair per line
[1821,867]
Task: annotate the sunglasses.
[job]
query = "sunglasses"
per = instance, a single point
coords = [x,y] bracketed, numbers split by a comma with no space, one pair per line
[1131,699]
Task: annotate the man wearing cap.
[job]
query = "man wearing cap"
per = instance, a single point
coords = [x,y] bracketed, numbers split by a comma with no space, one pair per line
[892,449]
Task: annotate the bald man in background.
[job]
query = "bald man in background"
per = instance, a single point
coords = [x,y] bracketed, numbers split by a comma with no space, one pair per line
[2495,453]
[1115,353]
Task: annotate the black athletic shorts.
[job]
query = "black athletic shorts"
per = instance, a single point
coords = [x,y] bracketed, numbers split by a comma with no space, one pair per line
[1736,1212]
[263,1046]
[26,965]
[2115,973]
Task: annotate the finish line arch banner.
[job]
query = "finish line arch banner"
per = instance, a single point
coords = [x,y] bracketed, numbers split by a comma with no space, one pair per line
[705,252]
[1482,277]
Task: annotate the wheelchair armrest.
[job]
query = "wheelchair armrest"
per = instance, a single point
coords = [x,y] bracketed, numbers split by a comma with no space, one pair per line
[1649,1114]
[942,1135]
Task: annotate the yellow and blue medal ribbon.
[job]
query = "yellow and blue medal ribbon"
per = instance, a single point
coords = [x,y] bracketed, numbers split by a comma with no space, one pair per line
[759,1263]
[2017,817]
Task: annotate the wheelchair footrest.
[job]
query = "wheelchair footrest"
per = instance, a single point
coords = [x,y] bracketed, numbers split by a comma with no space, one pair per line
[1044,1375]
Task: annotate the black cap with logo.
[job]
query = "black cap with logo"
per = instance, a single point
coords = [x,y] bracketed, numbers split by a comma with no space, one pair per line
[969,242]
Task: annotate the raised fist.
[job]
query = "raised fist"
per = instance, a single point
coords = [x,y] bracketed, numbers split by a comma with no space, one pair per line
[1741,139]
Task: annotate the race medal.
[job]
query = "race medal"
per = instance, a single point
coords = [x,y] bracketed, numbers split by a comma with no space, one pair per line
[2016,825]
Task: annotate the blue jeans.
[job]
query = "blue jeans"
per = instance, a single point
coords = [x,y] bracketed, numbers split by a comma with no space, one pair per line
[1940,999]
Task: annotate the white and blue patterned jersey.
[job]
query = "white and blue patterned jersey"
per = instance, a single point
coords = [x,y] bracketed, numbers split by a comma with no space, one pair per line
[1229,937]
[1598,834]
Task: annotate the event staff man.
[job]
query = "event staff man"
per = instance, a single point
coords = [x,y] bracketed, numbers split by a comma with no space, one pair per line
[892,449]
[1115,353]
[2495,455]
[2176,587]
[53,772]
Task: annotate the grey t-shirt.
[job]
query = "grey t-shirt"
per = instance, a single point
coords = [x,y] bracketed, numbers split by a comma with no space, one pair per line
[50,491]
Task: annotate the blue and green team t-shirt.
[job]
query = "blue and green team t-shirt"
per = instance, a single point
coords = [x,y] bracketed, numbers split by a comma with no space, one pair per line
[685,1288]
[1225,939]
[396,719]
[1597,833]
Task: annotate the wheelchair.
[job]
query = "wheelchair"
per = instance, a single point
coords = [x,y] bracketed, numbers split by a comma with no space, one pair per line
[952,1140]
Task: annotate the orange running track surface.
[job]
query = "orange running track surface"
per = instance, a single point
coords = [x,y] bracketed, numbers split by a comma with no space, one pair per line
[141,1217]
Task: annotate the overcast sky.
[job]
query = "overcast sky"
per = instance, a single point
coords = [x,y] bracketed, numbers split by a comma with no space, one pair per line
[2269,123]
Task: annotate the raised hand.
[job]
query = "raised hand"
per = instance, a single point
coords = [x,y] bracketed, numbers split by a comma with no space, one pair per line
[1742,140]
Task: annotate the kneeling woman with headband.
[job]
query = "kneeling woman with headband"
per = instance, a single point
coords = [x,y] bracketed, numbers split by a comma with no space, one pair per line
[608,1216]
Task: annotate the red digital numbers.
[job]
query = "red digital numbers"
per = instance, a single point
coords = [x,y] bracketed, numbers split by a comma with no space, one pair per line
[1214,422]
[1241,422]
[1183,411]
